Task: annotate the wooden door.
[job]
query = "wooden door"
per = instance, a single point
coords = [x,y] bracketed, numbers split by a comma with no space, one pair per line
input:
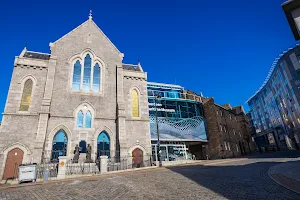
[13,160]
[137,160]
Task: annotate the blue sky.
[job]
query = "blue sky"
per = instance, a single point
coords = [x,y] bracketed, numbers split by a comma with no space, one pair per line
[223,49]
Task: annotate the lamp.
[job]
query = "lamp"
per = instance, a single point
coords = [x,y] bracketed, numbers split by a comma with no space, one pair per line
[157,132]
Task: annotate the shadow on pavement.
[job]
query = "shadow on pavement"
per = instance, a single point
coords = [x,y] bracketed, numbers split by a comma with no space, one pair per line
[246,179]
[277,154]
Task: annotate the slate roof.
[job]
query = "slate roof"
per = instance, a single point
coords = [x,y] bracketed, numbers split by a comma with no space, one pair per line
[36,55]
[131,67]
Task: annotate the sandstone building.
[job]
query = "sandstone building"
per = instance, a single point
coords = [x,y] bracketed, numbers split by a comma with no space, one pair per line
[227,129]
[79,94]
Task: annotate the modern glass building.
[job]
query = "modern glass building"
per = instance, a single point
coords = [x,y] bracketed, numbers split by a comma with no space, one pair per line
[180,121]
[274,108]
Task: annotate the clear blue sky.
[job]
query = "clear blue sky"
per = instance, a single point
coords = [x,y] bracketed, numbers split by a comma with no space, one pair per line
[221,48]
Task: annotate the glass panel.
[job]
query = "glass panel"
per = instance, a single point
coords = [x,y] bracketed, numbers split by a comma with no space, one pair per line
[82,146]
[135,103]
[59,147]
[96,78]
[87,73]
[76,76]
[26,97]
[103,145]
[80,120]
[88,120]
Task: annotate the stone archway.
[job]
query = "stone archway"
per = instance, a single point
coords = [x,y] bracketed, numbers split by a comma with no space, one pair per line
[13,160]
[17,145]
[137,158]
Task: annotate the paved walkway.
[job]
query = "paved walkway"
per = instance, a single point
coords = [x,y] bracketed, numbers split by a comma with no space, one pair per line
[287,174]
[233,179]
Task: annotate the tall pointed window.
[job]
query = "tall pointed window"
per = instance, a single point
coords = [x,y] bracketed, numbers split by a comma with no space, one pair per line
[88,120]
[135,103]
[86,84]
[26,96]
[96,78]
[76,76]
[80,119]
[87,73]
[59,146]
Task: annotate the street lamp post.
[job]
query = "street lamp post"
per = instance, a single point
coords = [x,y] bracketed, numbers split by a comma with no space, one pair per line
[157,132]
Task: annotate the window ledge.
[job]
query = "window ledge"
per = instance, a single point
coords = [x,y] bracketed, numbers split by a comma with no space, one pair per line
[81,92]
[85,129]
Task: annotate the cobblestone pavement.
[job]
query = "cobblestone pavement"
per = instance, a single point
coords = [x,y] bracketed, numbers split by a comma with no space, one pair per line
[243,179]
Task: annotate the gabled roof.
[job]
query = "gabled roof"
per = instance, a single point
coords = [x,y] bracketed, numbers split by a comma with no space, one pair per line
[87,21]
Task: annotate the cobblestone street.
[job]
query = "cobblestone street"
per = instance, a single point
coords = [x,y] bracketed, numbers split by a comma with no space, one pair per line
[244,179]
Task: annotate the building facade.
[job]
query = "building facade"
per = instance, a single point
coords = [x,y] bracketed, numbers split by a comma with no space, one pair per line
[178,118]
[79,94]
[274,108]
[227,129]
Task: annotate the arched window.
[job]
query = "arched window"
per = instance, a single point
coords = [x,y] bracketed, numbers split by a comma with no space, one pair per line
[59,146]
[135,103]
[96,78]
[76,76]
[88,120]
[86,85]
[26,96]
[103,144]
[80,119]
[87,74]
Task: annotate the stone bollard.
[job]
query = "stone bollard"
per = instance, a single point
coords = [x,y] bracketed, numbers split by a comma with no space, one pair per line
[103,164]
[62,167]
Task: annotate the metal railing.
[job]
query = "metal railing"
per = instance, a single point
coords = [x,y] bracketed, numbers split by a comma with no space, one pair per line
[174,95]
[81,168]
[123,163]
[49,167]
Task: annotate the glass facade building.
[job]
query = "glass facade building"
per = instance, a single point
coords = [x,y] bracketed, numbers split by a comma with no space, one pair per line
[274,108]
[181,125]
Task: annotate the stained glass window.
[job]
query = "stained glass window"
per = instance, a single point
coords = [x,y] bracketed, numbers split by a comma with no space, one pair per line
[59,146]
[103,144]
[135,103]
[76,76]
[88,120]
[80,119]
[26,96]
[87,73]
[96,78]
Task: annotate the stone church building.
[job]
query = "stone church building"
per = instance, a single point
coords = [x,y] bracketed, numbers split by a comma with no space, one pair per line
[79,94]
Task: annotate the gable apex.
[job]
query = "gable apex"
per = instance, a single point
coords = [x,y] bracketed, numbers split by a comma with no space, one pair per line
[90,20]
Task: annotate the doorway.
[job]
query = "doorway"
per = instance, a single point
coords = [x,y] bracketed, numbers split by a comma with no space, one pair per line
[137,158]
[13,160]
